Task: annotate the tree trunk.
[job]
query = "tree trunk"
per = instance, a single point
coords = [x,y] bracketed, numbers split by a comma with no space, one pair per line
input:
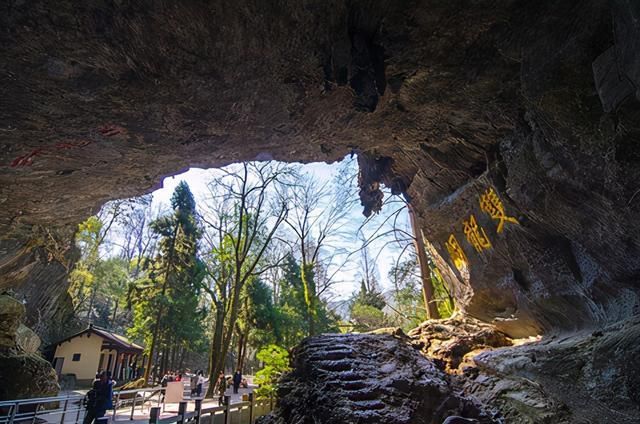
[183,352]
[243,352]
[309,297]
[115,311]
[216,349]
[240,344]
[425,272]
[173,353]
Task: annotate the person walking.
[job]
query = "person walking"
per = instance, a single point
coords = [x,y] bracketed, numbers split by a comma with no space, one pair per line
[199,383]
[98,399]
[193,383]
[237,379]
[222,387]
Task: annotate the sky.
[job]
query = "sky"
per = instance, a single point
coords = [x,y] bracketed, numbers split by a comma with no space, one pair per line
[347,276]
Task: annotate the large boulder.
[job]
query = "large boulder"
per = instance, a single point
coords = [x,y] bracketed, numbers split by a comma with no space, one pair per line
[366,378]
[26,375]
[27,340]
[11,313]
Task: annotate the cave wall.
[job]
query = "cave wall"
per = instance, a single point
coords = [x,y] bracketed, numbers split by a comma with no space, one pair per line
[443,100]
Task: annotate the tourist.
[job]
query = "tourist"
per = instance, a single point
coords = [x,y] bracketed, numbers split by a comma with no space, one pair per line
[193,383]
[98,399]
[178,377]
[237,379]
[166,378]
[199,383]
[222,387]
[110,384]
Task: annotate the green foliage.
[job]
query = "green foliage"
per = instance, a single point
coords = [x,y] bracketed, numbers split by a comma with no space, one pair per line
[367,317]
[276,363]
[409,310]
[445,303]
[165,303]
[366,309]
[291,310]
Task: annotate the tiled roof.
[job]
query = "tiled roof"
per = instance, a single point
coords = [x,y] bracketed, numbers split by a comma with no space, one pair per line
[116,339]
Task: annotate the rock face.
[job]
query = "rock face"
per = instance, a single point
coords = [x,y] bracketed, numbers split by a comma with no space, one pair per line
[587,377]
[512,126]
[35,268]
[366,378]
[24,373]
[27,340]
[11,313]
[449,341]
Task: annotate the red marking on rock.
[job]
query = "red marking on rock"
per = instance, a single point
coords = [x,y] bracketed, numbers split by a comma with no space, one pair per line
[109,130]
[26,160]
[72,144]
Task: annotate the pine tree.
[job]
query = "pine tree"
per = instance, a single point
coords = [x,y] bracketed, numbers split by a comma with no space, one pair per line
[167,304]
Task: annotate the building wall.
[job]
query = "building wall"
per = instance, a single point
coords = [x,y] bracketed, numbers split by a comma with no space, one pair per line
[89,350]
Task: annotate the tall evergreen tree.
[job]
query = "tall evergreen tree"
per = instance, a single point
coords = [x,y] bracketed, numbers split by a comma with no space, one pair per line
[167,305]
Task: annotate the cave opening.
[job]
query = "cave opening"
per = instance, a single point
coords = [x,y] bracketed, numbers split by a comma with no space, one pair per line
[310,258]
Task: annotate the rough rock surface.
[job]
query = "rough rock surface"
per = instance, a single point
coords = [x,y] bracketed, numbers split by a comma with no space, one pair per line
[36,270]
[449,341]
[366,378]
[11,313]
[579,378]
[444,100]
[27,340]
[24,373]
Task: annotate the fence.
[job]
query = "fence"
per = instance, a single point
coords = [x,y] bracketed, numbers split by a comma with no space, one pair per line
[69,409]
[245,412]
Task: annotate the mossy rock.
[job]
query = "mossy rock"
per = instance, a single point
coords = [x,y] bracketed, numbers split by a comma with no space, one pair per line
[11,313]
[26,376]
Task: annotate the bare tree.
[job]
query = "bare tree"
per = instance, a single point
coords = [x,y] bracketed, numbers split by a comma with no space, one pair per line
[241,218]
[319,214]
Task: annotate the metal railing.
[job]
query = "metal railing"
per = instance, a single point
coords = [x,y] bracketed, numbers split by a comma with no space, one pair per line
[59,409]
[245,412]
[70,409]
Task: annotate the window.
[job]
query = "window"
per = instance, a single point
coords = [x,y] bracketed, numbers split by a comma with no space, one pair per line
[76,357]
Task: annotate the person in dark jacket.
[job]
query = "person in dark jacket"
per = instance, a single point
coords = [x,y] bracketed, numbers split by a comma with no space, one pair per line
[98,399]
[237,379]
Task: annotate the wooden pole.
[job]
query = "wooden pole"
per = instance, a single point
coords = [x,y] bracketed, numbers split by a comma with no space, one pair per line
[427,285]
[198,411]
[250,408]
[182,409]
[154,415]
[227,410]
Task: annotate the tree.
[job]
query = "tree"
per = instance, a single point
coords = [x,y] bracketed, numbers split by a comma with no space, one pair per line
[318,213]
[170,294]
[408,304]
[257,323]
[276,363]
[366,308]
[428,290]
[241,221]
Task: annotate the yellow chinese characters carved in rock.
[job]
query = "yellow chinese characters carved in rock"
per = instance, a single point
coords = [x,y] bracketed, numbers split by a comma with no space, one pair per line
[491,204]
[476,235]
[455,251]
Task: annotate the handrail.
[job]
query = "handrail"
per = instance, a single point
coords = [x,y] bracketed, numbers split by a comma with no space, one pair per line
[52,399]
[69,405]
